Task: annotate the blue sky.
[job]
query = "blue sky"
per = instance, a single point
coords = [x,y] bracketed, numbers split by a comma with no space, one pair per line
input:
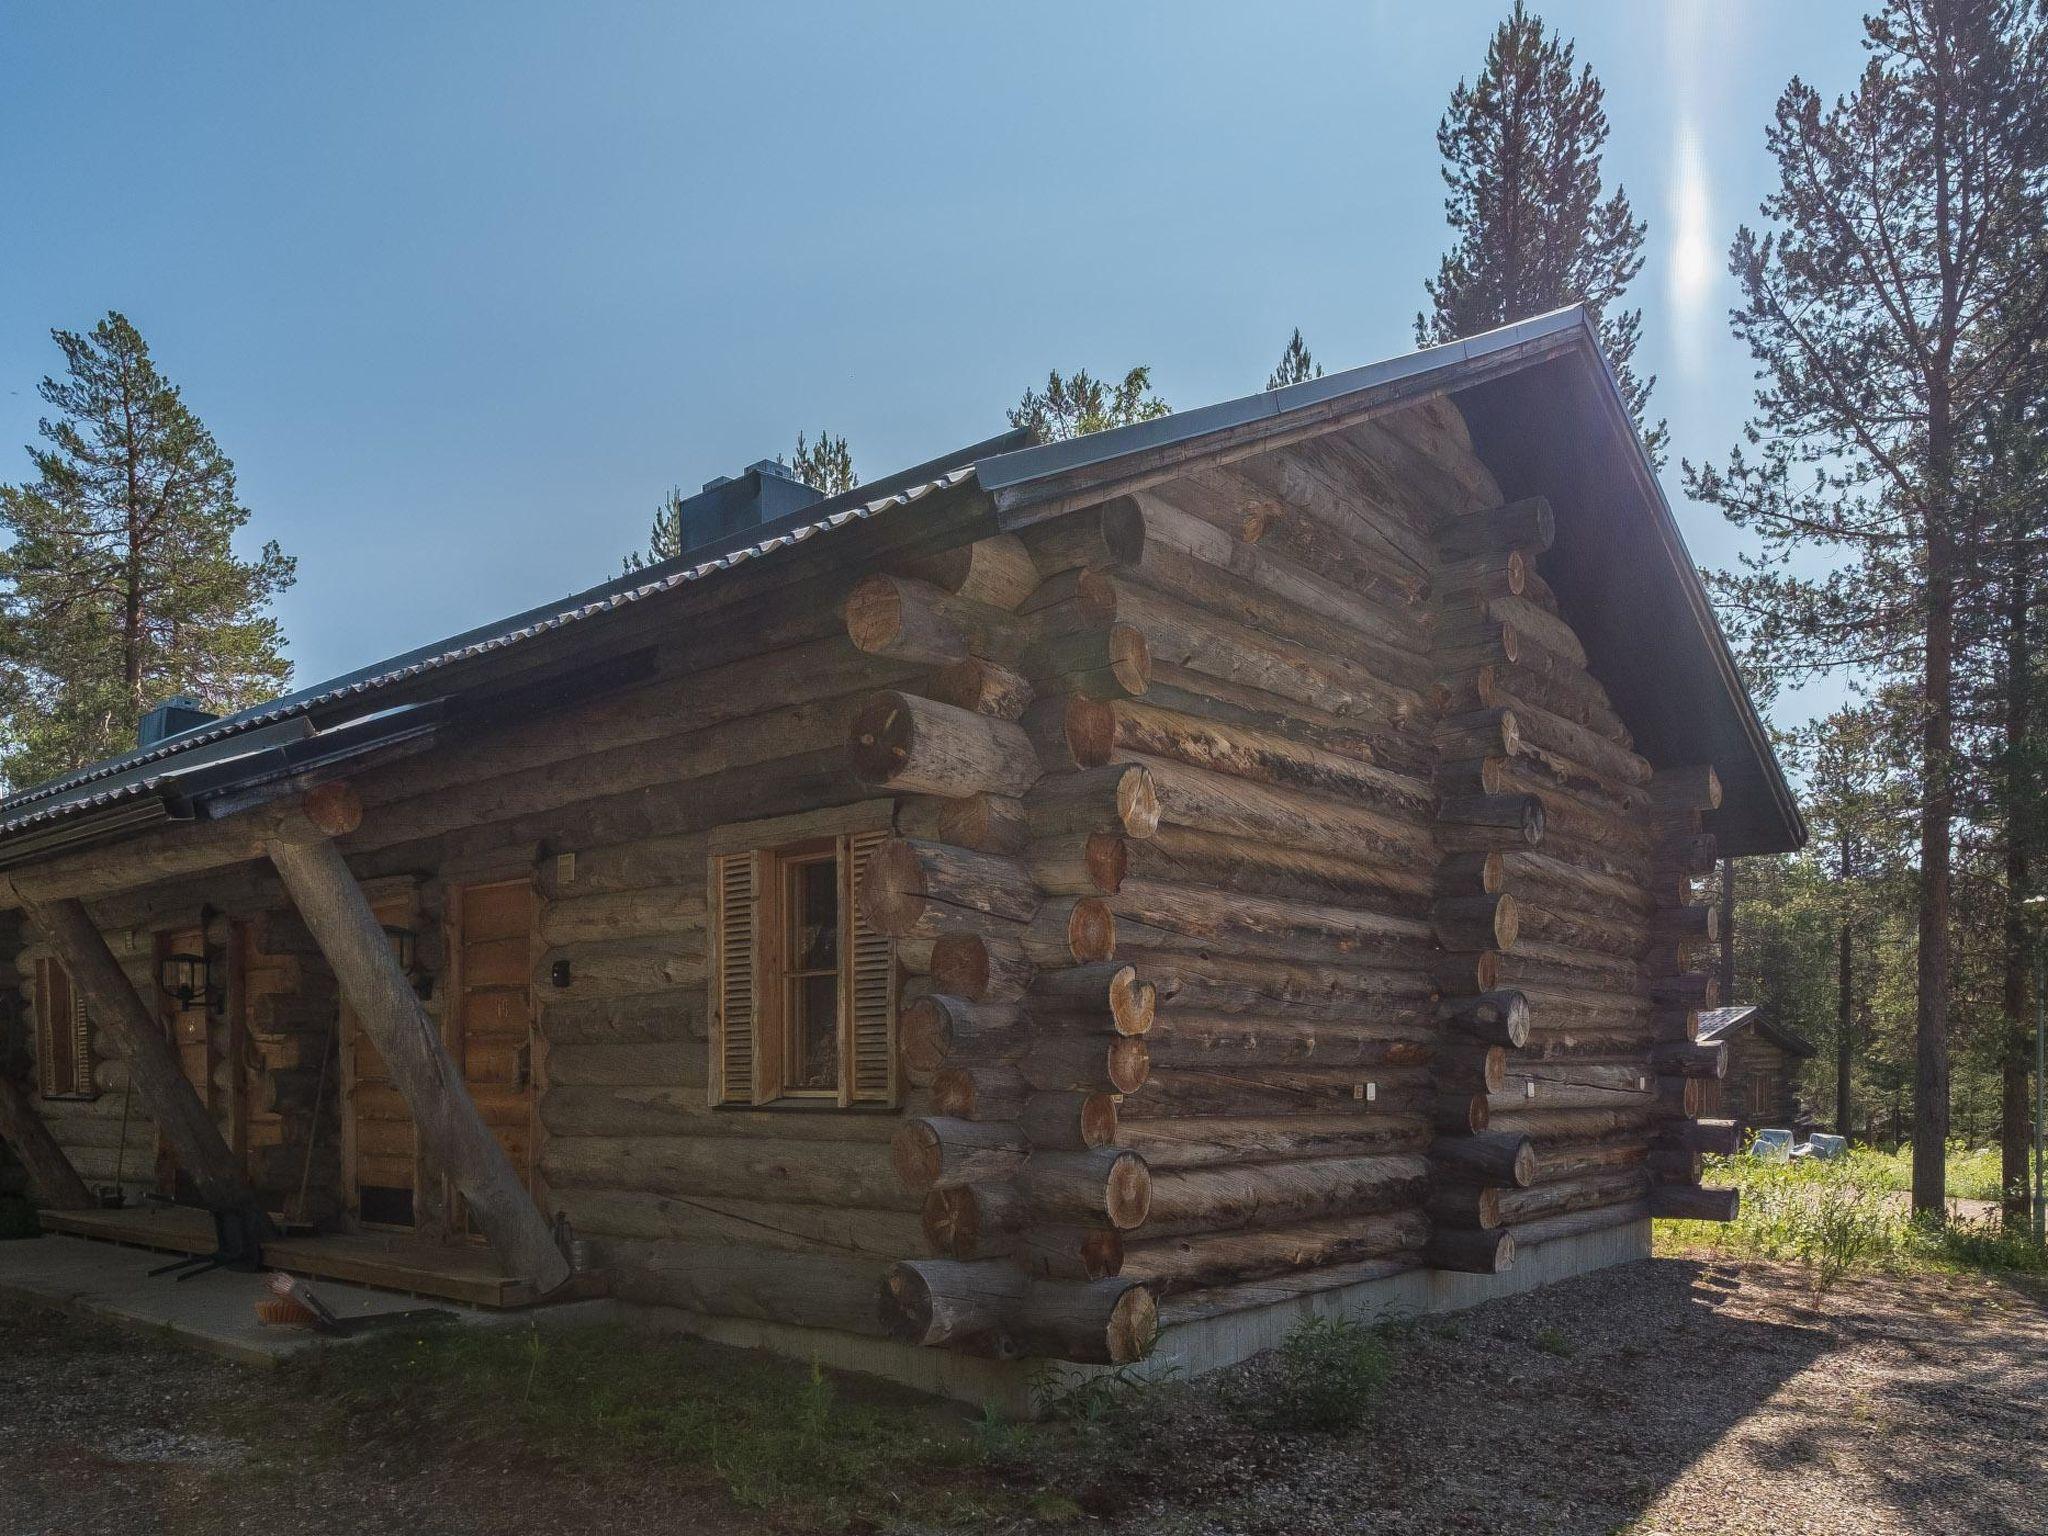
[464,287]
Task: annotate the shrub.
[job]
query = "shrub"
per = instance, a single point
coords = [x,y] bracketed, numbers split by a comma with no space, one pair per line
[1324,1379]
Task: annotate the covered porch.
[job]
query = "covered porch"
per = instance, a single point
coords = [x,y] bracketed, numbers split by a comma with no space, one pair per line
[467,1272]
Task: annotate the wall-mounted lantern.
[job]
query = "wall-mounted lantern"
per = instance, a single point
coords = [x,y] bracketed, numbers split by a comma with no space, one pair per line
[405,945]
[183,979]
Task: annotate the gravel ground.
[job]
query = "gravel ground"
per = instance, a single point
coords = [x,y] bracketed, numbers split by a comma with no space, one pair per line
[1664,1397]
[1668,1397]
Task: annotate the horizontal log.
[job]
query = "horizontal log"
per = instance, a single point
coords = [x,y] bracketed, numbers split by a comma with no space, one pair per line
[980,967]
[1491,1157]
[814,1173]
[1188,1200]
[935,1150]
[935,1029]
[1175,917]
[1112,661]
[1471,1250]
[982,823]
[1119,798]
[1695,787]
[1201,1261]
[910,620]
[1476,922]
[1097,732]
[993,1307]
[1723,1138]
[768,1284]
[1086,1064]
[1184,1038]
[637,914]
[1692,1059]
[985,687]
[1525,524]
[1608,1187]
[1068,1122]
[1181,1091]
[1279,987]
[721,1223]
[1491,1018]
[911,745]
[1221,861]
[1293,818]
[1517,818]
[916,889]
[1069,931]
[1454,1206]
[997,572]
[1226,1141]
[1106,1185]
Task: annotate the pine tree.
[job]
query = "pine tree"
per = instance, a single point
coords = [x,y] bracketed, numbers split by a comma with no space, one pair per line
[121,585]
[1295,364]
[1890,304]
[825,465]
[1081,403]
[1522,148]
[664,534]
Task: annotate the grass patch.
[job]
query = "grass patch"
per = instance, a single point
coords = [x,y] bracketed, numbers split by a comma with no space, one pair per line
[1553,1342]
[1325,1377]
[769,1432]
[1844,1215]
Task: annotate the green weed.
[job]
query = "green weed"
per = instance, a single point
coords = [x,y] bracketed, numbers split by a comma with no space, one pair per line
[1325,1377]
[769,1432]
[1844,1215]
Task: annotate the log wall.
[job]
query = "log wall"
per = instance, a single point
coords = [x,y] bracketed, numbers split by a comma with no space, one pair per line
[1273,889]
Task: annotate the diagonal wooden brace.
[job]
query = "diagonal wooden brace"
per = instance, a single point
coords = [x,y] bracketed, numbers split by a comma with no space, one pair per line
[450,1127]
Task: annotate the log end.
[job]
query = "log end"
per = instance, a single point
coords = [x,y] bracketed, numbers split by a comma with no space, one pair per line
[915,1154]
[879,741]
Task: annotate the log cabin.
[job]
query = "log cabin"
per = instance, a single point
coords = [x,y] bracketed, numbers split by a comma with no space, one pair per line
[1761,1086]
[1092,901]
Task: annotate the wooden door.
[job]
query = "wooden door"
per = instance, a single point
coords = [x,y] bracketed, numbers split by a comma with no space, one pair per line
[490,1020]
[380,1148]
[209,1035]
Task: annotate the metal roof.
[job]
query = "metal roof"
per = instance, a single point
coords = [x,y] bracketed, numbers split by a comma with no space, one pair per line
[153,770]
[1718,1024]
[1665,646]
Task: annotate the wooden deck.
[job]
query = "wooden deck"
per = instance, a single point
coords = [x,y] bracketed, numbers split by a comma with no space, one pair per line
[466,1272]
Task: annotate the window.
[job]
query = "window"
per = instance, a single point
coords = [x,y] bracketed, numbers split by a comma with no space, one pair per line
[63,1036]
[803,991]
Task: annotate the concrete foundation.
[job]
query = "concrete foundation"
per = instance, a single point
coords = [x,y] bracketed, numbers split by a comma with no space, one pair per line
[215,1311]
[1192,1339]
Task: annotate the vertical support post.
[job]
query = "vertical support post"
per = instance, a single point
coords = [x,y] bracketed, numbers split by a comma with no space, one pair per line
[55,1182]
[450,1128]
[159,1078]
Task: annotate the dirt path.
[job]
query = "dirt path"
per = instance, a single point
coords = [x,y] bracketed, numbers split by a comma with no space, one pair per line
[1670,1397]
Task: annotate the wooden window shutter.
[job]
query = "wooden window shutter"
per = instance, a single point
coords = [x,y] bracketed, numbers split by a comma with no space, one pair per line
[63,1035]
[736,985]
[869,1073]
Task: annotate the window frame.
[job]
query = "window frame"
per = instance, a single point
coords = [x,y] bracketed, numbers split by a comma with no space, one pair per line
[749,910]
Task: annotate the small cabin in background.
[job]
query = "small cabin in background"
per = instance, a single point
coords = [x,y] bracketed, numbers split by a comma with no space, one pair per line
[1093,901]
[1762,1085]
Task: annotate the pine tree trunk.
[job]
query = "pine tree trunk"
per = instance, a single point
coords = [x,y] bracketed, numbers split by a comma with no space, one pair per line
[2019,832]
[1845,1019]
[1937,816]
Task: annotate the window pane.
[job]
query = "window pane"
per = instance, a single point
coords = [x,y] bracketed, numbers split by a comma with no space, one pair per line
[816,1046]
[814,916]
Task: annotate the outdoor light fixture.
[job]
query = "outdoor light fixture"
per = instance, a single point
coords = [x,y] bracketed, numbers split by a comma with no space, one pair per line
[405,945]
[183,978]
